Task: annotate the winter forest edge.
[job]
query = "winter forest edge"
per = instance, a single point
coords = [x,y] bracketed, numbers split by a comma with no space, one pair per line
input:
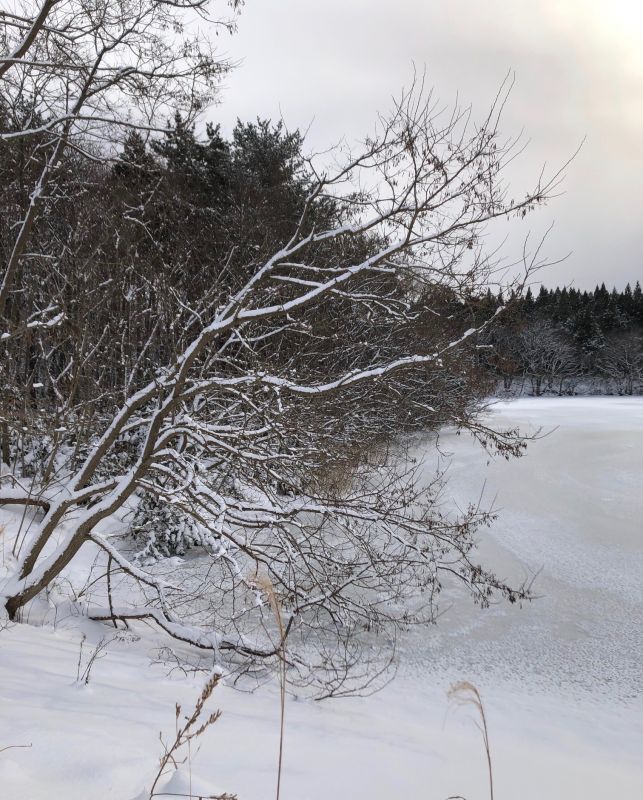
[218,352]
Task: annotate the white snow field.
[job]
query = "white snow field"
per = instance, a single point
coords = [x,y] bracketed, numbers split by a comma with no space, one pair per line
[561,678]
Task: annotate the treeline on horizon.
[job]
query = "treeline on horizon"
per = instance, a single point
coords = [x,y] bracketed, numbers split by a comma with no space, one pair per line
[567,341]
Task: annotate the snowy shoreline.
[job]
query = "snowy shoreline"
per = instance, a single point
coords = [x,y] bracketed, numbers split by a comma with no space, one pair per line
[561,679]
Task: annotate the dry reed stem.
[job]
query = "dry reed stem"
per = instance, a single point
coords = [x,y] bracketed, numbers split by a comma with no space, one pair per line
[466,693]
[264,583]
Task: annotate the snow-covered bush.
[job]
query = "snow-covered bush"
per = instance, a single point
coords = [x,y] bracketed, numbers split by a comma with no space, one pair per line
[165,530]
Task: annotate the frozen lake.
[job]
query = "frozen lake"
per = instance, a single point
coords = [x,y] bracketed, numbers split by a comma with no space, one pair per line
[570,513]
[561,678]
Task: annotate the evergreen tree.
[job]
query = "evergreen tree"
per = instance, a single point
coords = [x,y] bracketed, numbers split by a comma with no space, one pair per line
[543,299]
[637,297]
[135,164]
[588,335]
[528,303]
[203,166]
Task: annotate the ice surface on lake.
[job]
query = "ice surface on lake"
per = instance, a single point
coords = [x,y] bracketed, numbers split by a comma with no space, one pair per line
[571,514]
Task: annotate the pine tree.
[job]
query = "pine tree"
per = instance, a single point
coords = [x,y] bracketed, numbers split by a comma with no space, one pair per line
[528,302]
[589,335]
[135,164]
[637,299]
[203,166]
[543,299]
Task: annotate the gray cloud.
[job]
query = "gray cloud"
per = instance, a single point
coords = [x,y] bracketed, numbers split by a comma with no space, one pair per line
[579,73]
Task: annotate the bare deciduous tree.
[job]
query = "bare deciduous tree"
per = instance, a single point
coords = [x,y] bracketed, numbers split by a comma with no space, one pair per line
[547,358]
[621,361]
[77,72]
[249,445]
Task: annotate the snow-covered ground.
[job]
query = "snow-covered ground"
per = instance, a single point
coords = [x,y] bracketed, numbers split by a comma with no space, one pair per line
[561,679]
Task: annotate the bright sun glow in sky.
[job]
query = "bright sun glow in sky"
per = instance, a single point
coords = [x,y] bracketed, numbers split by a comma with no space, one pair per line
[625,17]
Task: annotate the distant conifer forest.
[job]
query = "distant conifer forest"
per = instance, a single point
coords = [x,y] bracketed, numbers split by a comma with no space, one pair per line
[567,341]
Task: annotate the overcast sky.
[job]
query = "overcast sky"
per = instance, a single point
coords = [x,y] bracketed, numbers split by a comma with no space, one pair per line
[578,64]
